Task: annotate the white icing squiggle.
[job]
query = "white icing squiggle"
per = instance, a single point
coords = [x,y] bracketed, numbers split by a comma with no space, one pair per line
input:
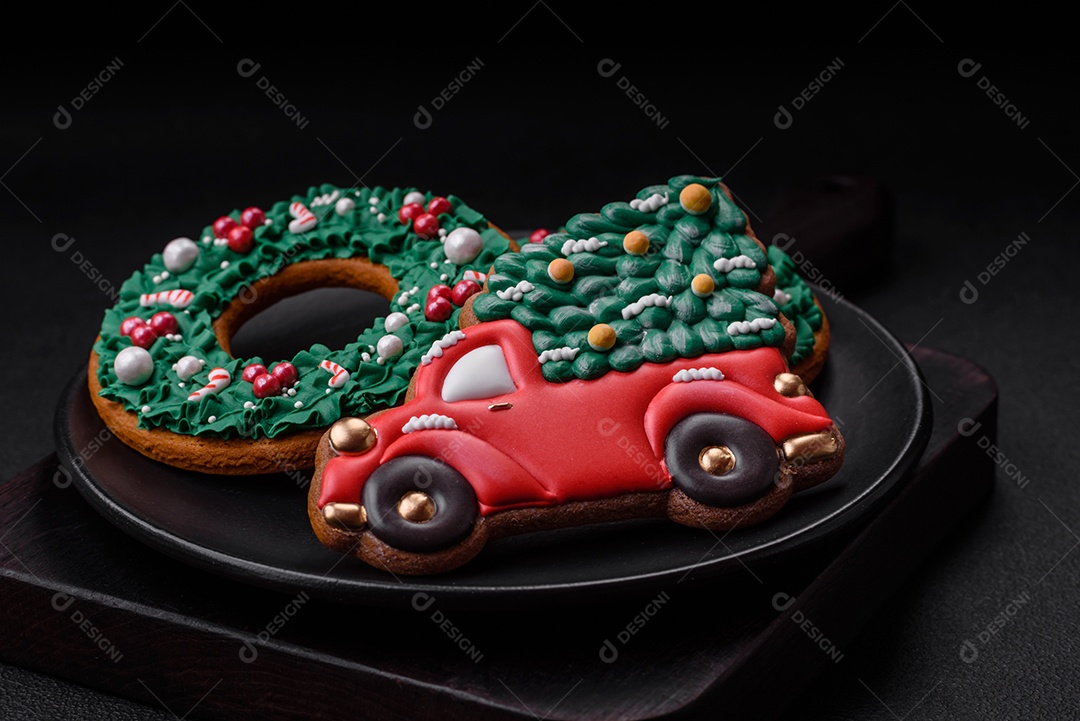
[781,297]
[516,292]
[325,199]
[442,344]
[744,327]
[590,245]
[559,354]
[428,422]
[726,265]
[651,204]
[646,301]
[697,374]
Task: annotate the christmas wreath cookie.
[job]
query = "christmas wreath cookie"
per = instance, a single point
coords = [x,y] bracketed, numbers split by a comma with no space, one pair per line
[161,373]
[635,365]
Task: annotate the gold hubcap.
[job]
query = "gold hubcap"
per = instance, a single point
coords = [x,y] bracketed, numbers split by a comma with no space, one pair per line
[416,507]
[716,460]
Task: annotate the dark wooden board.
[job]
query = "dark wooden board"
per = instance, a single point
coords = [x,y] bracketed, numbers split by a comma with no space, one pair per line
[85,602]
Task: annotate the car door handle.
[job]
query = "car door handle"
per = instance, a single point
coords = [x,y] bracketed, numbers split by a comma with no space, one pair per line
[500,406]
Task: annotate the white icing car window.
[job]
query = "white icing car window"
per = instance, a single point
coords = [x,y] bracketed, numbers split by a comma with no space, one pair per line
[481,373]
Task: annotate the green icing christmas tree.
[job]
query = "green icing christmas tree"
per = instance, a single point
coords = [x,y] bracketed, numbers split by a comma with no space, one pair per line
[691,289]
[797,303]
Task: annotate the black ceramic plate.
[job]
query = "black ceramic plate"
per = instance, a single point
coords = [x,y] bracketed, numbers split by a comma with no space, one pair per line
[256,529]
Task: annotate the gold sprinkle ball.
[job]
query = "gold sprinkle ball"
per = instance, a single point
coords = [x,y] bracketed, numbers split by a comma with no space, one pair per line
[636,243]
[703,285]
[601,337]
[561,270]
[695,199]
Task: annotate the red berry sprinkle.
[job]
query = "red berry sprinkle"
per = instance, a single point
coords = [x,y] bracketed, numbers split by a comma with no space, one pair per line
[253,371]
[252,217]
[438,205]
[439,291]
[286,373]
[409,211]
[426,226]
[266,385]
[241,239]
[164,323]
[222,226]
[464,290]
[438,309]
[538,235]
[131,324]
[143,336]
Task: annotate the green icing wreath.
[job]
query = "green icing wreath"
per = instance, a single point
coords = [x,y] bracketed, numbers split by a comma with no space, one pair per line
[219,275]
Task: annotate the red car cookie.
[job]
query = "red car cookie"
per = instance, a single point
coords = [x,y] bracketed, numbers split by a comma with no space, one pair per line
[597,378]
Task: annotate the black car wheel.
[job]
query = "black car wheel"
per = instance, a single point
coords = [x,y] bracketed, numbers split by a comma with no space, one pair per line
[419,504]
[721,460]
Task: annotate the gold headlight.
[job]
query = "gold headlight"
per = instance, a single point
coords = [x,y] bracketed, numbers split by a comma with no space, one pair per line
[790,385]
[352,436]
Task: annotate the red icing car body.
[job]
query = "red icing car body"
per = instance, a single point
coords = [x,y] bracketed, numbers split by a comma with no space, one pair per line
[523,442]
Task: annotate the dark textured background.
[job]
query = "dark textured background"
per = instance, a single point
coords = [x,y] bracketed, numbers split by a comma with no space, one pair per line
[178,137]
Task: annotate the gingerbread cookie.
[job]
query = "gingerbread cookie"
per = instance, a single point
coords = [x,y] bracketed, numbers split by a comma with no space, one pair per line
[633,366]
[161,373]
